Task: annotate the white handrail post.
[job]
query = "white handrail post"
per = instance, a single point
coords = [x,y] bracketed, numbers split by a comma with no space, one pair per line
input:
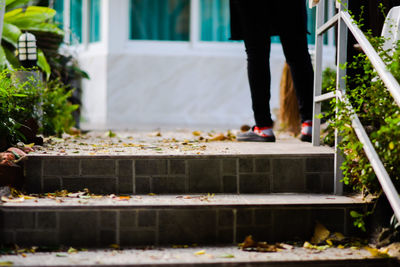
[319,43]
[341,86]
[2,11]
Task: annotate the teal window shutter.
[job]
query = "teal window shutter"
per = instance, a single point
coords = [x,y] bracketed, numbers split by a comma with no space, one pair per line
[94,31]
[59,17]
[215,20]
[76,21]
[162,20]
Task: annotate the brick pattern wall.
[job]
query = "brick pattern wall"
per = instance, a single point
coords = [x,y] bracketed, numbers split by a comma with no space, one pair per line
[132,226]
[176,175]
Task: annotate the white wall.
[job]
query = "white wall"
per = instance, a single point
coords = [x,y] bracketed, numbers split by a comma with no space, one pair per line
[142,84]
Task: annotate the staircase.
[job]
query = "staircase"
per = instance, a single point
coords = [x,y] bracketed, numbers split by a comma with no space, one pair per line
[275,196]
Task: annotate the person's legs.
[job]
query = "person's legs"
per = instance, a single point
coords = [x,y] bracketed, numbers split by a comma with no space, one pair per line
[259,79]
[295,48]
[258,70]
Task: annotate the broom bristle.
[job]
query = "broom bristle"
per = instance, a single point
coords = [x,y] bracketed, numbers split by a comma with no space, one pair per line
[289,116]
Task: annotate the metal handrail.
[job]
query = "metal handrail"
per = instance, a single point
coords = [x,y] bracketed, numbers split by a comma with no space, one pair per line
[345,22]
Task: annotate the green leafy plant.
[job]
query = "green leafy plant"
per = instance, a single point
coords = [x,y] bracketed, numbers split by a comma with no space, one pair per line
[380,116]
[21,101]
[57,110]
[35,19]
[18,103]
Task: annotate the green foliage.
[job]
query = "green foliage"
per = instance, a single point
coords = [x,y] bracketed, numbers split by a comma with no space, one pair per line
[380,116]
[33,99]
[18,19]
[359,221]
[57,111]
[328,80]
[327,108]
[17,104]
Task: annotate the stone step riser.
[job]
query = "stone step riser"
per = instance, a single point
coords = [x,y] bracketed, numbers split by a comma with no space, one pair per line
[181,174]
[96,226]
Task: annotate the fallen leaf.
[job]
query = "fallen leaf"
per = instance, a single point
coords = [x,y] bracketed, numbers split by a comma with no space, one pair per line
[72,250]
[6,263]
[393,249]
[219,137]
[286,246]
[336,236]
[29,145]
[152,194]
[227,256]
[248,242]
[377,253]
[123,198]
[196,133]
[320,234]
[200,252]
[111,134]
[245,128]
[28,197]
[61,255]
[12,200]
[310,246]
[250,245]
[115,246]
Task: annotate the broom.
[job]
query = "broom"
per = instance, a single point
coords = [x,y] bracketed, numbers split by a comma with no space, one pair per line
[289,116]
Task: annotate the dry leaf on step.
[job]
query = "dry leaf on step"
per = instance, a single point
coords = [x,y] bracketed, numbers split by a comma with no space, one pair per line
[320,234]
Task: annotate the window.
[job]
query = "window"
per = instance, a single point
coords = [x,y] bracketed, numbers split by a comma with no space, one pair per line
[162,20]
[215,20]
[59,8]
[76,21]
[94,9]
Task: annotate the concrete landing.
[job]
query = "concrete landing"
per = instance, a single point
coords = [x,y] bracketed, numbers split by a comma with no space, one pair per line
[201,200]
[179,142]
[201,256]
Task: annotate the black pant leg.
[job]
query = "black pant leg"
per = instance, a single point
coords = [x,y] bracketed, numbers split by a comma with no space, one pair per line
[259,75]
[295,48]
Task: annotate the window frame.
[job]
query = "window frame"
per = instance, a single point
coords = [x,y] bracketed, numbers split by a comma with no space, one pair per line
[193,46]
[195,41]
[85,24]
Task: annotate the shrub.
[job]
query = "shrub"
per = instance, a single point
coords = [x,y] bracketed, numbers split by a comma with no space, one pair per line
[380,116]
[33,99]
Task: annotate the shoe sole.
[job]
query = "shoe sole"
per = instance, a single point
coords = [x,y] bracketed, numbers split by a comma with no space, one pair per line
[256,139]
[306,138]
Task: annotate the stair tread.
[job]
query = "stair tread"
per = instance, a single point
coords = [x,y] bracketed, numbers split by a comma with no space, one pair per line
[172,143]
[182,256]
[201,200]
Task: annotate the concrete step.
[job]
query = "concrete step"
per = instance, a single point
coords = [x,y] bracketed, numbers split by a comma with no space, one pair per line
[172,219]
[212,256]
[275,171]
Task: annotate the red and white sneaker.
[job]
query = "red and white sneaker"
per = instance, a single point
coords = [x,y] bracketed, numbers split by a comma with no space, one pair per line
[257,134]
[306,131]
